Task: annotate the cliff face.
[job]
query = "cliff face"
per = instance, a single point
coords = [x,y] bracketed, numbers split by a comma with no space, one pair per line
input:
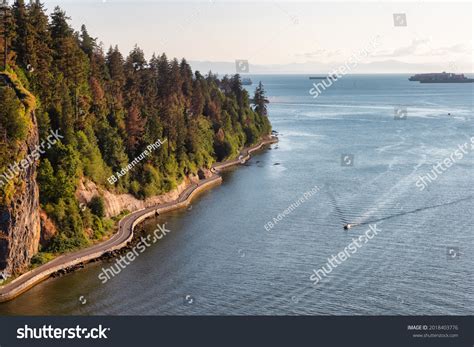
[116,203]
[19,218]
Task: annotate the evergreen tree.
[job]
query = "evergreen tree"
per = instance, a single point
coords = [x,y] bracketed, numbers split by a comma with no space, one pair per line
[39,53]
[108,109]
[20,39]
[260,101]
[88,44]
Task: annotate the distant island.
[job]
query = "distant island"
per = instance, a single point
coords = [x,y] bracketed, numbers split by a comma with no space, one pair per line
[443,77]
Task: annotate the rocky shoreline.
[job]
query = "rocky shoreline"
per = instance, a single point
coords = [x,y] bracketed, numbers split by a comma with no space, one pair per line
[31,278]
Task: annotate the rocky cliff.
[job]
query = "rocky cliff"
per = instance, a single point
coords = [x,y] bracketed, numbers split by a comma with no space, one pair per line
[19,214]
[116,203]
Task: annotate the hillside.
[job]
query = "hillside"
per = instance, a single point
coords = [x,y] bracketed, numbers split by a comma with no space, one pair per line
[99,115]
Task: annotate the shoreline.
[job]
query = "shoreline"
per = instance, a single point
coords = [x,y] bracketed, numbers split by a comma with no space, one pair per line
[125,232]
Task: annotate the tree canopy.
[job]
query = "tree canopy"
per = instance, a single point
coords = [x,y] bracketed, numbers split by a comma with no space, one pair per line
[109,108]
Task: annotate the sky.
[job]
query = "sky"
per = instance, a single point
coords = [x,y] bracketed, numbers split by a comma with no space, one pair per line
[287,37]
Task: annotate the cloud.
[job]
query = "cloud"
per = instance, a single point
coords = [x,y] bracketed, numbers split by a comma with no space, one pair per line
[422,47]
[319,53]
[415,46]
[454,49]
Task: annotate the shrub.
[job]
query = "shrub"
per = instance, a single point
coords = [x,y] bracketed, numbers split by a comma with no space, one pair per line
[97,206]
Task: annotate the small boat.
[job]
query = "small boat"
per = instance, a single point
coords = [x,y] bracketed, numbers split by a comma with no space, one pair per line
[347,226]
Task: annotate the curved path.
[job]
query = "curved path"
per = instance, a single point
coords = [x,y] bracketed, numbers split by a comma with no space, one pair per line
[125,230]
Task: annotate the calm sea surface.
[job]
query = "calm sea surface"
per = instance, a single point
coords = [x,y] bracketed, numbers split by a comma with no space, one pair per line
[219,258]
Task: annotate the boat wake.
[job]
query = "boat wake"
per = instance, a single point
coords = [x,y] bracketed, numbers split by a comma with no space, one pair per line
[347,224]
[413,211]
[336,206]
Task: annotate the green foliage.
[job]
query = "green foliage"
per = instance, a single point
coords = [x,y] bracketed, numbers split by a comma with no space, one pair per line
[47,182]
[58,174]
[111,146]
[28,100]
[68,220]
[15,124]
[98,227]
[12,116]
[260,101]
[152,181]
[109,109]
[97,206]
[91,158]
[120,216]
[41,258]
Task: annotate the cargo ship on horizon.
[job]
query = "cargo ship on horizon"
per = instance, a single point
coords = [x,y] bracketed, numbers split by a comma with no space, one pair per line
[443,77]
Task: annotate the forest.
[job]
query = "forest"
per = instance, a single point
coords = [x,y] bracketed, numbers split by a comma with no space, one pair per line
[108,108]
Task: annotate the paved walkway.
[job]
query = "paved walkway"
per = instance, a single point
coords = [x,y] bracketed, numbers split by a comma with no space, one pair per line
[124,234]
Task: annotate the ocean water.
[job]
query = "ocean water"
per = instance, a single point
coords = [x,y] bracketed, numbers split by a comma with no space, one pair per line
[220,259]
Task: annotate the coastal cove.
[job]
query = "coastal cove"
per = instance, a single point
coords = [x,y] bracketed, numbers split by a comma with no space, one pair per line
[219,259]
[236,174]
[126,226]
